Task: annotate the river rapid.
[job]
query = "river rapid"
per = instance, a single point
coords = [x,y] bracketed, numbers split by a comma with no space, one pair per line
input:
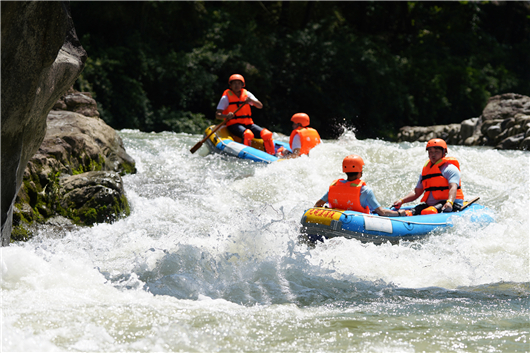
[210,261]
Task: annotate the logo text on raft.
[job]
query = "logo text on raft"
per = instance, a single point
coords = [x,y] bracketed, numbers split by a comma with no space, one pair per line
[321,213]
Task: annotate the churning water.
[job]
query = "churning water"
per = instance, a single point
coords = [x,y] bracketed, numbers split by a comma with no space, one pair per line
[209,260]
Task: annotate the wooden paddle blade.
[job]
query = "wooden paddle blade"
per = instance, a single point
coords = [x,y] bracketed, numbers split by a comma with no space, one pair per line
[196,147]
[469,203]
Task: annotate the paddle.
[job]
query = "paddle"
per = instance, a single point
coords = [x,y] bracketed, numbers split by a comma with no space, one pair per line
[469,203]
[199,144]
[466,204]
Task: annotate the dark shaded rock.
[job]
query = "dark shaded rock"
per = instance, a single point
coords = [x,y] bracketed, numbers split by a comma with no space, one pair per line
[494,131]
[93,197]
[525,144]
[41,58]
[507,123]
[511,143]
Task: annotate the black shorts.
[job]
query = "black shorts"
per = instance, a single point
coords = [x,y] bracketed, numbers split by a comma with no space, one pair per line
[239,129]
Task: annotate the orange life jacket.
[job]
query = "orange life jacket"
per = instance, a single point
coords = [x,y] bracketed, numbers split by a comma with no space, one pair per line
[347,196]
[434,182]
[309,138]
[243,116]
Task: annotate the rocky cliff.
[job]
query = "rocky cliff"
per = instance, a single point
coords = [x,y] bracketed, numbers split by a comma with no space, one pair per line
[41,59]
[503,124]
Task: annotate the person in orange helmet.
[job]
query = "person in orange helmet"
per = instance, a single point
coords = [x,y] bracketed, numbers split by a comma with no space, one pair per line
[439,182]
[353,193]
[241,124]
[303,138]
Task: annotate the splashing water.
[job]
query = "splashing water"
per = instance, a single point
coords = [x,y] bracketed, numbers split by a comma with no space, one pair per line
[209,260]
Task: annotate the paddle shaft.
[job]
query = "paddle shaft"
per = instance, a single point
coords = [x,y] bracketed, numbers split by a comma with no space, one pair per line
[469,203]
[199,144]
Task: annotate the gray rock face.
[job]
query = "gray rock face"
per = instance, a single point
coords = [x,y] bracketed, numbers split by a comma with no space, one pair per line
[506,106]
[504,124]
[83,143]
[76,171]
[41,58]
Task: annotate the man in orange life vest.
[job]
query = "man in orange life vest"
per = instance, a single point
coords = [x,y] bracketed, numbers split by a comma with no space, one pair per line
[303,138]
[440,180]
[353,193]
[242,124]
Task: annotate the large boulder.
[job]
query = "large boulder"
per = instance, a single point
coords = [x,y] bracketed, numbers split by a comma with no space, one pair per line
[76,173]
[506,106]
[504,124]
[93,197]
[82,144]
[41,59]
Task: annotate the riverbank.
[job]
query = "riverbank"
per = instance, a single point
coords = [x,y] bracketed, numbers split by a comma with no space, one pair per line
[503,124]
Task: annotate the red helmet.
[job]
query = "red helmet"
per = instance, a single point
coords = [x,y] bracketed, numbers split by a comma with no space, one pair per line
[301,118]
[235,77]
[437,143]
[352,164]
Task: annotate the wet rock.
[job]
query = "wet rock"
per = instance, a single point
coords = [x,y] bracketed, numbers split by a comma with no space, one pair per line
[525,144]
[501,124]
[468,128]
[83,144]
[58,179]
[93,197]
[494,131]
[511,143]
[450,133]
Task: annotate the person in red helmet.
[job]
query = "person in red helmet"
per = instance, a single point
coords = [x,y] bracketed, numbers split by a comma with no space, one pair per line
[303,138]
[241,124]
[439,182]
[353,193]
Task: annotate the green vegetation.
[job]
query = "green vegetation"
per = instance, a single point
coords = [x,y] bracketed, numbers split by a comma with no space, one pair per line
[92,212]
[40,198]
[87,164]
[376,66]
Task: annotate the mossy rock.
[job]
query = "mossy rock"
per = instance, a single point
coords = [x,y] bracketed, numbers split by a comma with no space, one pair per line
[93,197]
[20,233]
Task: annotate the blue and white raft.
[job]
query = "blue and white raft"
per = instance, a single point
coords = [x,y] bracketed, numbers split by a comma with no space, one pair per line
[319,223]
[223,142]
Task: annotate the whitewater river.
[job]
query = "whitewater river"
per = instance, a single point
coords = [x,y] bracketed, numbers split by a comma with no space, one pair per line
[209,261]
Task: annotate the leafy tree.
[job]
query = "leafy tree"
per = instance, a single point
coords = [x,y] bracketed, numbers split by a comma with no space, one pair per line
[376,66]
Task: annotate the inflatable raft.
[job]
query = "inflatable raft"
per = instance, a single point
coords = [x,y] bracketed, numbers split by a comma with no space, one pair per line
[319,223]
[223,142]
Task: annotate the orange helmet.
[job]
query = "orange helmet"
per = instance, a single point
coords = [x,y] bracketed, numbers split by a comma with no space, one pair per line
[352,164]
[437,143]
[237,77]
[301,118]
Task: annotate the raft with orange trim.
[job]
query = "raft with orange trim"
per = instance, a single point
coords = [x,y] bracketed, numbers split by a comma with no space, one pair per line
[225,143]
[318,223]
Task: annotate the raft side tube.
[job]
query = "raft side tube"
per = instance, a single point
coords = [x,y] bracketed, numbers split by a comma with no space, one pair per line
[222,142]
[329,223]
